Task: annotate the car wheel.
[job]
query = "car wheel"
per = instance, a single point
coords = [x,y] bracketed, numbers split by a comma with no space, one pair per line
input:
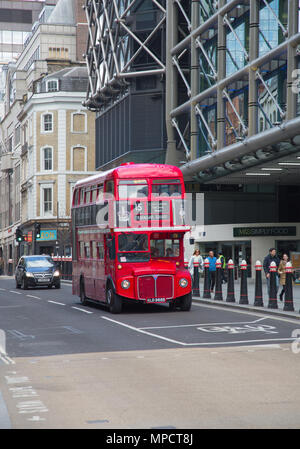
[24,284]
[113,300]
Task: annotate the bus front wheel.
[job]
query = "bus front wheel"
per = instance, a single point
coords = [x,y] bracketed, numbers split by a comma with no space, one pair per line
[186,302]
[113,300]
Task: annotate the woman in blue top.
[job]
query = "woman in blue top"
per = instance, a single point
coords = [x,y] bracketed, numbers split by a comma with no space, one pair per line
[212,270]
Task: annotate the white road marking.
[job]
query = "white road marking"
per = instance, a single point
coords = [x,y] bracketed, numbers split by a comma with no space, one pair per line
[16,380]
[181,343]
[3,289]
[55,302]
[205,324]
[13,291]
[31,407]
[36,418]
[23,392]
[32,296]
[141,331]
[81,310]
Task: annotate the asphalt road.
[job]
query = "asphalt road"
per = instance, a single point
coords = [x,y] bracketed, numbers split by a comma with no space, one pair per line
[63,365]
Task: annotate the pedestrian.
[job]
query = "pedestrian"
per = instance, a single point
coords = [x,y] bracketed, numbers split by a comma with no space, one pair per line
[282,274]
[271,257]
[223,267]
[1,265]
[212,270]
[197,258]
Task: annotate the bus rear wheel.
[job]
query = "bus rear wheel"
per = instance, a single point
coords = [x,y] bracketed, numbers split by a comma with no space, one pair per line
[83,298]
[113,300]
[186,302]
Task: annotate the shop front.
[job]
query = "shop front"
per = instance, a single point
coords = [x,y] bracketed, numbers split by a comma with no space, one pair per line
[250,242]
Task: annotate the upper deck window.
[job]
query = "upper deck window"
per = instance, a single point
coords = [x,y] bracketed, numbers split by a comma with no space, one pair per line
[166,187]
[76,197]
[109,187]
[82,195]
[135,188]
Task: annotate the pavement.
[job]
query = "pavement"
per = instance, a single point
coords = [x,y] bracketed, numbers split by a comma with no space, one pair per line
[251,295]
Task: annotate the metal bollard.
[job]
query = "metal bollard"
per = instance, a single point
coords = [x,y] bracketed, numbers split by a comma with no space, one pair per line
[196,279]
[244,287]
[258,299]
[273,288]
[218,290]
[288,296]
[230,283]
[206,289]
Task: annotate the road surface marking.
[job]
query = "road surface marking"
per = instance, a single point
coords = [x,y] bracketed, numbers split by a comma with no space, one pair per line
[31,407]
[181,343]
[16,293]
[55,302]
[23,392]
[32,296]
[205,324]
[81,310]
[141,331]
[16,380]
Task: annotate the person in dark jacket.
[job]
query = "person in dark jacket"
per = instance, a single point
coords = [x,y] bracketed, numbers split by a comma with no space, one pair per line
[271,257]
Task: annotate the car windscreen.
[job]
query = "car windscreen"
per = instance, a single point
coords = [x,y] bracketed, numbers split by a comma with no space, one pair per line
[39,263]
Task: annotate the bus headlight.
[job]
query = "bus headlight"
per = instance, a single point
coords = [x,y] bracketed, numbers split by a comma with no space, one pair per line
[56,273]
[183,282]
[125,284]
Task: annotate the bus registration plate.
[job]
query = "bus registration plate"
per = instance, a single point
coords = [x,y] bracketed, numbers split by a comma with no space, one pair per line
[152,300]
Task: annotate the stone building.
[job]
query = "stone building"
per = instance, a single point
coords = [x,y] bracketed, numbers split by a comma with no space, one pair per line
[46,136]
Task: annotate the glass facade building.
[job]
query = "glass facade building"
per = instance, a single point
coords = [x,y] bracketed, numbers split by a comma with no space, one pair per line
[230,71]
[16,20]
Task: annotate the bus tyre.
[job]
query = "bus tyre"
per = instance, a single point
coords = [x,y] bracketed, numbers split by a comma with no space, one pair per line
[172,305]
[83,298]
[186,302]
[113,300]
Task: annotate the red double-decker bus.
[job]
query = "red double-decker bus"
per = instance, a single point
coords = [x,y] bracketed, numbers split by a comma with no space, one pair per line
[128,226]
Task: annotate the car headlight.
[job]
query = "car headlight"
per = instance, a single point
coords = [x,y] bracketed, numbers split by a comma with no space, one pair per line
[56,273]
[28,274]
[183,282]
[125,284]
